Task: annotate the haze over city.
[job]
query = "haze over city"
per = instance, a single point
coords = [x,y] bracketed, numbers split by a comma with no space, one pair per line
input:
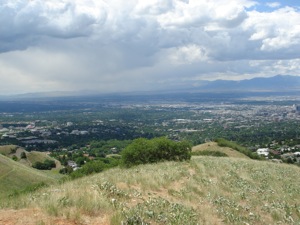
[138,45]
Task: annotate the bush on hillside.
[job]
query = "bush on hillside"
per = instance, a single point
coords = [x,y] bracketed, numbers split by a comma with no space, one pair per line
[142,151]
[66,170]
[89,168]
[46,165]
[210,153]
[225,143]
[23,155]
[95,166]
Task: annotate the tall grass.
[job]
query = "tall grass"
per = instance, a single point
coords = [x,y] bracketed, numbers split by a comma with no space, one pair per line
[205,190]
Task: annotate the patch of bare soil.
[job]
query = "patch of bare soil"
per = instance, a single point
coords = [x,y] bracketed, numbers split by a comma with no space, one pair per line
[36,216]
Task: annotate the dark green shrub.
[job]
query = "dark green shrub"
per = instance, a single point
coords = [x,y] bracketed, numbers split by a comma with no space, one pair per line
[95,166]
[89,168]
[23,155]
[225,143]
[66,170]
[210,153]
[46,165]
[142,151]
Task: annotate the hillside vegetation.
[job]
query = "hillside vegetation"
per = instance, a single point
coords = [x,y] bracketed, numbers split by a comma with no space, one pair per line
[204,190]
[142,151]
[7,149]
[15,176]
[233,145]
[214,147]
[33,157]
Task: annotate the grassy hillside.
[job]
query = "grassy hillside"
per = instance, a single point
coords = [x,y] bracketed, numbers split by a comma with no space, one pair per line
[35,156]
[7,149]
[206,190]
[15,176]
[213,146]
[32,157]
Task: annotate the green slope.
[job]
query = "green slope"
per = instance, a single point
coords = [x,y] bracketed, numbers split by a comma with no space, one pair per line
[205,190]
[31,157]
[213,146]
[15,176]
[34,156]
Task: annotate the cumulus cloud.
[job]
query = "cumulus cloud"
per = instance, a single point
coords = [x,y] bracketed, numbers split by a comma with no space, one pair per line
[130,45]
[274,31]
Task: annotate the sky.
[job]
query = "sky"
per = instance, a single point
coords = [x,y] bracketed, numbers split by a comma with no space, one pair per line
[110,46]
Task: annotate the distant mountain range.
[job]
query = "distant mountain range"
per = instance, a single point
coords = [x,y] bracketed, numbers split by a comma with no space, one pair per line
[277,83]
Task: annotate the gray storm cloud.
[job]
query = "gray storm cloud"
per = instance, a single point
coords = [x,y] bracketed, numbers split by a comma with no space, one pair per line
[105,44]
[163,24]
[23,23]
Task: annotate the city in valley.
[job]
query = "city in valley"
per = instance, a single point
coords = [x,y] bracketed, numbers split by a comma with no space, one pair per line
[87,128]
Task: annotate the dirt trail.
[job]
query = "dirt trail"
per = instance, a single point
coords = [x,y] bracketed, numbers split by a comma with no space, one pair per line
[36,216]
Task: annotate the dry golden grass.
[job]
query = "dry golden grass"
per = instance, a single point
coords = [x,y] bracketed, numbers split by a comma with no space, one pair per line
[206,190]
[6,150]
[213,146]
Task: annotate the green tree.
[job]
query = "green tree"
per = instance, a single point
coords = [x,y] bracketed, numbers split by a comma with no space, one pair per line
[46,165]
[142,151]
[80,160]
[66,170]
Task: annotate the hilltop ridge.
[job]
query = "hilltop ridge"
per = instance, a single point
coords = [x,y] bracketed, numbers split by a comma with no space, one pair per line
[213,146]
[204,190]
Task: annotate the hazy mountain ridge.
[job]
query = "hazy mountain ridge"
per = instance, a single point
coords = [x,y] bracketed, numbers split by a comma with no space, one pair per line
[276,83]
[279,83]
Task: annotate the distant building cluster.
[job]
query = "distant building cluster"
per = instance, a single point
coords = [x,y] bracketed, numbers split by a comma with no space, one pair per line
[297,108]
[263,151]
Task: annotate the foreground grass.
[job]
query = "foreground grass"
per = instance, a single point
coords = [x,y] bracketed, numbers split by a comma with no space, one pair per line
[206,190]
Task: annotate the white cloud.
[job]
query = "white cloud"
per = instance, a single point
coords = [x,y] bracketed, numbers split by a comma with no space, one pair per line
[270,67]
[273,4]
[153,8]
[187,55]
[135,44]
[278,30]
